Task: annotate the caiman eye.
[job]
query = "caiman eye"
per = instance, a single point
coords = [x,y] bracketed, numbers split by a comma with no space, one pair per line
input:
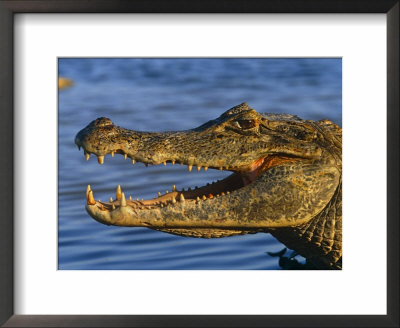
[246,124]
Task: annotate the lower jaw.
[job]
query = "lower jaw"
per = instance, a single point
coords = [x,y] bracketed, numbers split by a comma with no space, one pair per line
[215,189]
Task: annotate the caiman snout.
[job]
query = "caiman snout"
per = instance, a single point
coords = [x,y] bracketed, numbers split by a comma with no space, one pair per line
[99,123]
[96,137]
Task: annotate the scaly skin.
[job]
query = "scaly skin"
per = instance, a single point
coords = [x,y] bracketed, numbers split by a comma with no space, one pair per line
[286,180]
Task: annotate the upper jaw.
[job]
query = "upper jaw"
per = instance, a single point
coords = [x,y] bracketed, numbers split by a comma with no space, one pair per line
[102,137]
[145,147]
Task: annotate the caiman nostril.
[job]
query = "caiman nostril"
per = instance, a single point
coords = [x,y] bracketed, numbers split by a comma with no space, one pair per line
[102,121]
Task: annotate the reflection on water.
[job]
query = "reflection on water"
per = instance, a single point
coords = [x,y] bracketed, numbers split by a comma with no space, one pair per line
[161,95]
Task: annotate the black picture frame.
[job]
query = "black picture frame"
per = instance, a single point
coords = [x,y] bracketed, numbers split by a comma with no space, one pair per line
[10,7]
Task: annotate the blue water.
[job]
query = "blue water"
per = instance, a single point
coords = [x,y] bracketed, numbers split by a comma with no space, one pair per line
[161,95]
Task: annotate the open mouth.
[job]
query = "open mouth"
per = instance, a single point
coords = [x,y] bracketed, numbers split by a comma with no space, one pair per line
[240,178]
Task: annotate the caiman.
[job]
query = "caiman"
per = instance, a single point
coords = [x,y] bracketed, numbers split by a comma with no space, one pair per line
[286,180]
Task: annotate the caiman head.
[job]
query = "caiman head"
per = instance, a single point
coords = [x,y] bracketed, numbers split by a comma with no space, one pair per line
[285,171]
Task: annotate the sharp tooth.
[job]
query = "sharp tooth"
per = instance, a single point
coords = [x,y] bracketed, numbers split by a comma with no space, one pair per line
[125,156]
[159,194]
[87,155]
[190,168]
[166,191]
[173,200]
[130,197]
[162,205]
[112,154]
[173,188]
[173,162]
[87,191]
[133,161]
[210,196]
[227,192]
[198,168]
[111,200]
[100,159]
[113,206]
[205,168]
[123,200]
[137,199]
[165,163]
[204,197]
[197,198]
[181,198]
[118,193]
[222,194]
[220,168]
[90,198]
